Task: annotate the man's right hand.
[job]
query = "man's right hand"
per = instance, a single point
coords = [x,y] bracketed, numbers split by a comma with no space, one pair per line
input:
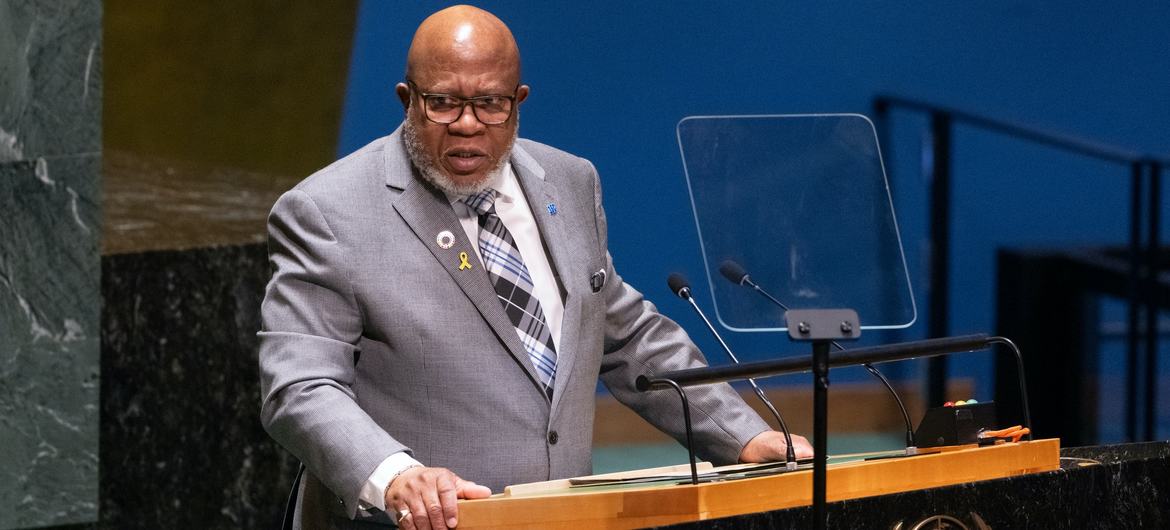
[429,497]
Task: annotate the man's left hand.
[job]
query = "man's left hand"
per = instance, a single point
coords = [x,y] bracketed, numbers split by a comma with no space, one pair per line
[769,446]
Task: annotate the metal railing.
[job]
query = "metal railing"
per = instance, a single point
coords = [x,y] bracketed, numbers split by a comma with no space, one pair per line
[1144,238]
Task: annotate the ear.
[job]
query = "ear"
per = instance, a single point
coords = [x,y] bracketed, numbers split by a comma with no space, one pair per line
[521,94]
[403,92]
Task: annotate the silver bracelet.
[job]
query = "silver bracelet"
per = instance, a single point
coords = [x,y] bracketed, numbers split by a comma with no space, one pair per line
[400,471]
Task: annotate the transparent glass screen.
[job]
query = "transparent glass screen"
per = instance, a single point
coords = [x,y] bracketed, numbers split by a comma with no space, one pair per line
[801,203]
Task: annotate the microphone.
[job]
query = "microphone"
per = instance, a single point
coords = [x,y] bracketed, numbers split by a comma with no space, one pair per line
[679,285]
[682,289]
[735,273]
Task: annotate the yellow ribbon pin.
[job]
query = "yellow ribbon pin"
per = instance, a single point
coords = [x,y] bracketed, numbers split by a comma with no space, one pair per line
[463,264]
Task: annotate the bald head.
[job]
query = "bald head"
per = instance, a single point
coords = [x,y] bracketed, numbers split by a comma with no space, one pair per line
[460,37]
[466,57]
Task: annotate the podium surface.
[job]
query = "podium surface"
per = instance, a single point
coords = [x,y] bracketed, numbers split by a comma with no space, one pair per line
[655,505]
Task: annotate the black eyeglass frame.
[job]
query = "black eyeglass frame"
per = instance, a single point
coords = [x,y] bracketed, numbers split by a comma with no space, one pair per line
[463,103]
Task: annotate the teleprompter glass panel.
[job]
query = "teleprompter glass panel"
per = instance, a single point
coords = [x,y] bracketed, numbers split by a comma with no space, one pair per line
[801,203]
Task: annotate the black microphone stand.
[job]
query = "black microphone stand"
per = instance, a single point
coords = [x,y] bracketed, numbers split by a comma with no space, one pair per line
[817,328]
[681,288]
[821,327]
[736,274]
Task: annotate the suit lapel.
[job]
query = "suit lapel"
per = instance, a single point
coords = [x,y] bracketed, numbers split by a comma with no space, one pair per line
[428,212]
[555,235]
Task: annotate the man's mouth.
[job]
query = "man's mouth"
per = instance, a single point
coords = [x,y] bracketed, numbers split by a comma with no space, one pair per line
[466,161]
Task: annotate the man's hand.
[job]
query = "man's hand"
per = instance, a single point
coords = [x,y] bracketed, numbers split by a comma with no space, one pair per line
[430,495]
[769,446]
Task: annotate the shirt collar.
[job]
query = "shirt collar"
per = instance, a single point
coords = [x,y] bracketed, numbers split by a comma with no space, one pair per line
[504,183]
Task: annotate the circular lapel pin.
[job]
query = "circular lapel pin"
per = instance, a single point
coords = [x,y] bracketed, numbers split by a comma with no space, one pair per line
[445,239]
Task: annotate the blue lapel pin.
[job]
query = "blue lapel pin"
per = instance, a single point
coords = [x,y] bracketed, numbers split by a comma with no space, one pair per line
[552,208]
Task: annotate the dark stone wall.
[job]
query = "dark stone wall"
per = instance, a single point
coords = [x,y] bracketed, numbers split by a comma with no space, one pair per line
[50,187]
[181,441]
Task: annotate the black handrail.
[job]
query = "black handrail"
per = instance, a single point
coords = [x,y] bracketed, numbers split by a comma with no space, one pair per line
[1145,173]
[1057,140]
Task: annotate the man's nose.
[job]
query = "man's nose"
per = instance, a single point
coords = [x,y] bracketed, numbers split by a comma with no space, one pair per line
[468,123]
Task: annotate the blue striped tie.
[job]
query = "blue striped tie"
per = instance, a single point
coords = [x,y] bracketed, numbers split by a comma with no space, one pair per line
[514,286]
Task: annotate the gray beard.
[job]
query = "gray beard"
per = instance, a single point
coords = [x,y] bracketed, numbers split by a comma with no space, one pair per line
[431,172]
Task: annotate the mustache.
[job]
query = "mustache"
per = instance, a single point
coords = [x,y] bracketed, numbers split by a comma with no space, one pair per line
[432,172]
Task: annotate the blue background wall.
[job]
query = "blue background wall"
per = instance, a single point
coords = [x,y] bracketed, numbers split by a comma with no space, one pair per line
[611,79]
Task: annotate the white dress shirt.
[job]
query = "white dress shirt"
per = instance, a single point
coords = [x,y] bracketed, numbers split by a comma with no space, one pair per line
[513,209]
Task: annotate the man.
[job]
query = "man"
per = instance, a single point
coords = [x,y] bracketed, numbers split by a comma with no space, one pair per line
[442,305]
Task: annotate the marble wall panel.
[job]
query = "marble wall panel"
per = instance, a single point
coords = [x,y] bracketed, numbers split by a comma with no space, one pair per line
[50,185]
[49,314]
[50,78]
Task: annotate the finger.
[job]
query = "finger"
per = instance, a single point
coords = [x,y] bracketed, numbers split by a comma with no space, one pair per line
[467,489]
[432,506]
[448,499]
[418,514]
[395,512]
[418,503]
[801,446]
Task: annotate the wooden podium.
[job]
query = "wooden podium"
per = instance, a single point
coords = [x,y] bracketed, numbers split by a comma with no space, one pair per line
[555,506]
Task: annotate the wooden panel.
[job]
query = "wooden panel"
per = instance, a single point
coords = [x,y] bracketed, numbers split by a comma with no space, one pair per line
[659,505]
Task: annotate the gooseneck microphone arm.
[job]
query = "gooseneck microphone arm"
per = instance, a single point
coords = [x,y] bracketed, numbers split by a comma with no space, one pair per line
[910,444]
[680,287]
[736,274]
[1020,379]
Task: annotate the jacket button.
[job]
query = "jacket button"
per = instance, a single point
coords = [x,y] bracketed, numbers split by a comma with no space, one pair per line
[552,437]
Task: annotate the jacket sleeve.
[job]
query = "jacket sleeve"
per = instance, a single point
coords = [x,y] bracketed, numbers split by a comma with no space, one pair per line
[640,340]
[311,324]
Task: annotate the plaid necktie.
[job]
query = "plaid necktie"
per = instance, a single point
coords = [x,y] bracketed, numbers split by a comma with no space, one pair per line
[514,286]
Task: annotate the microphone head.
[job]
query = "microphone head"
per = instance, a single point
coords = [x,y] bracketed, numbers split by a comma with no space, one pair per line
[733,272]
[679,285]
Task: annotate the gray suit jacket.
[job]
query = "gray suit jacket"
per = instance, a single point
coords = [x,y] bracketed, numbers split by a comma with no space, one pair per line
[374,341]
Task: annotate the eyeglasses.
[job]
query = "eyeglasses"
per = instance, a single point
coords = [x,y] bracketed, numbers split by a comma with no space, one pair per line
[446,109]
